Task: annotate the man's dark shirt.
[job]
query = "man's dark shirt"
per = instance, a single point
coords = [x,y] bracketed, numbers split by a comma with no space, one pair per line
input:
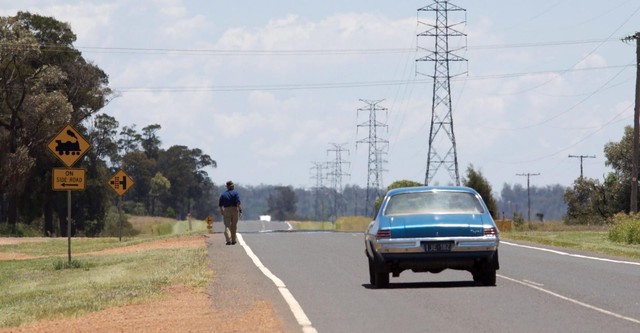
[230,198]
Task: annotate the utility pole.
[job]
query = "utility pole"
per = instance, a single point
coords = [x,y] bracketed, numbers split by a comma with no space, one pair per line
[528,175]
[633,207]
[377,148]
[441,109]
[581,157]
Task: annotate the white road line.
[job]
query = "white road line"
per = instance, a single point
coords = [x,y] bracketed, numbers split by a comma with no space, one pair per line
[295,307]
[533,283]
[571,254]
[589,306]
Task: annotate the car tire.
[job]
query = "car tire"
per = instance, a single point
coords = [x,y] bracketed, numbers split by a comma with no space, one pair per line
[488,277]
[381,280]
[372,273]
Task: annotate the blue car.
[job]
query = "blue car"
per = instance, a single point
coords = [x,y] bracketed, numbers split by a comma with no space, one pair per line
[430,229]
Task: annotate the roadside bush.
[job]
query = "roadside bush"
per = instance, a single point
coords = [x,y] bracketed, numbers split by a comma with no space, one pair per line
[625,229]
[19,230]
[112,224]
[352,223]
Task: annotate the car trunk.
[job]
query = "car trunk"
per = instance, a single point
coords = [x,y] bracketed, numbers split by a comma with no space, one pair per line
[436,225]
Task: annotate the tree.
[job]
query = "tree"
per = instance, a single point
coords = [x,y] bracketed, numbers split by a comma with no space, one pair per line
[282,203]
[396,184]
[190,184]
[588,202]
[476,181]
[129,140]
[102,135]
[160,187]
[619,158]
[44,83]
[150,141]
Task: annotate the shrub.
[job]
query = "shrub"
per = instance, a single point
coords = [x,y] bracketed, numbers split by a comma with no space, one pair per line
[113,220]
[625,229]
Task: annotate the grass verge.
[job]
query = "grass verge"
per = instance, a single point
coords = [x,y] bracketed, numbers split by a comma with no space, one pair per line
[594,241]
[48,287]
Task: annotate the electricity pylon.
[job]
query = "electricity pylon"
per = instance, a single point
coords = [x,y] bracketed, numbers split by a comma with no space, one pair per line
[441,110]
[377,148]
[336,172]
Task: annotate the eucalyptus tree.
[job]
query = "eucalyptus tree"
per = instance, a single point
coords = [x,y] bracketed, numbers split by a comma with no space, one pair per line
[190,183]
[44,83]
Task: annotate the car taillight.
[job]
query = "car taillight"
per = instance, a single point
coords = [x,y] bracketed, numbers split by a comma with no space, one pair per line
[491,231]
[383,233]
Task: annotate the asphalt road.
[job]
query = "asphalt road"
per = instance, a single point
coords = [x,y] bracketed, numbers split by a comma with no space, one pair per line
[538,289]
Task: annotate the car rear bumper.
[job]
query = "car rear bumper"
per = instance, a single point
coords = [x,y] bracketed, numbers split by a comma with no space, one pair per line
[416,245]
[466,254]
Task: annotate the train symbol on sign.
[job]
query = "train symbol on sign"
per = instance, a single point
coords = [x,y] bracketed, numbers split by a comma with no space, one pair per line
[66,148]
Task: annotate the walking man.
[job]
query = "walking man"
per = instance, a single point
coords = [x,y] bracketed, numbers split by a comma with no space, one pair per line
[231,211]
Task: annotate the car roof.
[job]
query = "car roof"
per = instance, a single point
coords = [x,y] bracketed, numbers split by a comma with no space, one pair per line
[415,189]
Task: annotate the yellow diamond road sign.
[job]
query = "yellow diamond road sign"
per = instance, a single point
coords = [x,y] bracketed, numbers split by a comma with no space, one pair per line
[120,182]
[68,145]
[67,179]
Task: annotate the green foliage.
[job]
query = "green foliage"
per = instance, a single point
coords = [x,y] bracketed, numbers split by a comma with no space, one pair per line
[282,203]
[41,289]
[396,184]
[114,219]
[588,202]
[170,212]
[18,230]
[352,223]
[65,264]
[165,229]
[619,158]
[476,181]
[625,229]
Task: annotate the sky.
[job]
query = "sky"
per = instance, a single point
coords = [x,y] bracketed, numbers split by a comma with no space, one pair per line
[270,89]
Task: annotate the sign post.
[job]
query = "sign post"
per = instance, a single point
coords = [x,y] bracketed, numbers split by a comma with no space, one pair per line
[69,146]
[120,183]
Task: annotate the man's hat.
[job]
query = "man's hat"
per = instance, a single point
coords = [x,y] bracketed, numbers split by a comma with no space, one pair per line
[229,184]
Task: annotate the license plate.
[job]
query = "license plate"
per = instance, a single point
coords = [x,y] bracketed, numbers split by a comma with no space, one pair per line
[437,246]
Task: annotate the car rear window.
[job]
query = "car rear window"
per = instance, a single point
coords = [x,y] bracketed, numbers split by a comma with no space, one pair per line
[437,202]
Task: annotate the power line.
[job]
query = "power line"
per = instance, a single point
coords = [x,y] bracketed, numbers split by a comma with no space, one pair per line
[338,85]
[288,52]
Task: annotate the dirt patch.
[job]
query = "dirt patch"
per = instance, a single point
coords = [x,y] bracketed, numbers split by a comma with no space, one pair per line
[170,243]
[183,310]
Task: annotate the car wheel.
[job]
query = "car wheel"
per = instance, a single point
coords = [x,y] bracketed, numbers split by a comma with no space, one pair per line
[488,277]
[381,280]
[372,273]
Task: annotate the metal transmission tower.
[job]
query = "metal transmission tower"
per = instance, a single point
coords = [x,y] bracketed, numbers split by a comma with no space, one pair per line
[441,115]
[336,172]
[377,148]
[318,169]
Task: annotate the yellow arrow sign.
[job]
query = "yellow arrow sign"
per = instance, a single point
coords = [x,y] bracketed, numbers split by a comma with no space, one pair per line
[68,145]
[120,182]
[64,179]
